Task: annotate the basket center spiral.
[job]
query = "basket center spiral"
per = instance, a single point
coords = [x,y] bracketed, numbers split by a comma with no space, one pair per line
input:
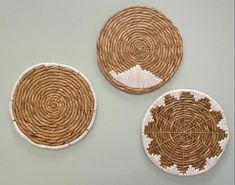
[139,51]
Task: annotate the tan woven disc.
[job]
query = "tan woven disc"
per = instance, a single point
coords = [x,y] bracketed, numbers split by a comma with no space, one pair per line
[139,49]
[184,132]
[53,106]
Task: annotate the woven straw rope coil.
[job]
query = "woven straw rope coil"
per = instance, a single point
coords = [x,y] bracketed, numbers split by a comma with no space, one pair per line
[184,132]
[139,49]
[52,105]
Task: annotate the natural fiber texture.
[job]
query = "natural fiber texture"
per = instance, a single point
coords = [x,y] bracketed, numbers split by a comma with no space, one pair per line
[184,132]
[139,49]
[53,106]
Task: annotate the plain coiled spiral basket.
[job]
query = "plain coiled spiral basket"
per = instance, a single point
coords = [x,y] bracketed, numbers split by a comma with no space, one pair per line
[139,49]
[53,106]
[184,132]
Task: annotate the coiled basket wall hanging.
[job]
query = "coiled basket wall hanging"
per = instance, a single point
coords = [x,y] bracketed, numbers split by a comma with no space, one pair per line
[139,49]
[53,106]
[184,132]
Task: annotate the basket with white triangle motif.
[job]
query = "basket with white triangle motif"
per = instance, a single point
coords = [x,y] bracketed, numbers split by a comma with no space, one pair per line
[184,132]
[139,49]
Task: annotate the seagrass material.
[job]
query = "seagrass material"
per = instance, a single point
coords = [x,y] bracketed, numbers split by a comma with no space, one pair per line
[184,132]
[139,49]
[53,106]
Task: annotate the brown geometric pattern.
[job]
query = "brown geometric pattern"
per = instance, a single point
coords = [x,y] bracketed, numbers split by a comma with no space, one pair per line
[185,132]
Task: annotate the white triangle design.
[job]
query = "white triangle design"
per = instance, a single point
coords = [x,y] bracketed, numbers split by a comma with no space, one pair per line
[136,77]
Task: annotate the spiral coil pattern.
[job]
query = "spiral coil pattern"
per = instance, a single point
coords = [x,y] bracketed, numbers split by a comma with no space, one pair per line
[186,132]
[143,37]
[53,106]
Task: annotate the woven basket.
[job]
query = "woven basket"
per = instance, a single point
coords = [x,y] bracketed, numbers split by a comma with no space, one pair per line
[184,132]
[139,49]
[53,106]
